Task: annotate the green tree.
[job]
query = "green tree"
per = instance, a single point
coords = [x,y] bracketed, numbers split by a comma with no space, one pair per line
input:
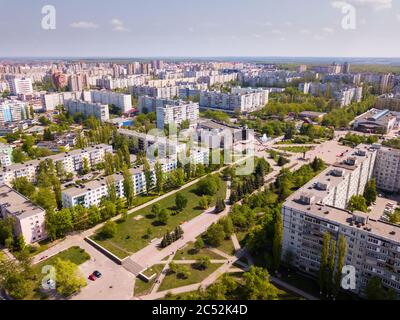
[204,202]
[277,242]
[199,244]
[180,201]
[219,205]
[111,190]
[129,191]
[203,263]
[370,192]
[163,216]
[159,177]
[342,251]
[257,286]
[323,267]
[94,215]
[109,229]
[58,223]
[68,278]
[357,203]
[209,185]
[85,167]
[46,199]
[23,186]
[147,175]
[215,235]
[331,267]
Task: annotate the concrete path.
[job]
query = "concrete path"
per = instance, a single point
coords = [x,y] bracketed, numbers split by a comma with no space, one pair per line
[162,275]
[235,242]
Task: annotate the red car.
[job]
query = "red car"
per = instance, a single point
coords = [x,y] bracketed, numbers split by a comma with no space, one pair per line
[92,277]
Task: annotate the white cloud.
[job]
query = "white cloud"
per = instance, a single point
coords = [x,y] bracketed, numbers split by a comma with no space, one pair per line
[328,30]
[256,35]
[191,29]
[305,31]
[276,31]
[83,25]
[118,25]
[398,16]
[318,37]
[210,24]
[288,24]
[374,4]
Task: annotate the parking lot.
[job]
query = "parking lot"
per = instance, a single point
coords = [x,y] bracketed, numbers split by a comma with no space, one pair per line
[384,204]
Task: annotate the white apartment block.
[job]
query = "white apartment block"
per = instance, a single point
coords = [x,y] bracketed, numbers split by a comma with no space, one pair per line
[115,83]
[167,92]
[72,162]
[52,100]
[240,99]
[29,219]
[20,86]
[373,246]
[99,111]
[5,155]
[387,169]
[93,192]
[120,100]
[13,110]
[176,114]
[152,103]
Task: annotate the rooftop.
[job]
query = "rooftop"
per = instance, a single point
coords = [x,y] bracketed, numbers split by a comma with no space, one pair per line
[16,204]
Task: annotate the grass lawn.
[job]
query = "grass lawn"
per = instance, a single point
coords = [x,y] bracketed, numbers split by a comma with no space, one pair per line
[196,276]
[131,234]
[296,149]
[143,287]
[74,254]
[189,253]
[227,246]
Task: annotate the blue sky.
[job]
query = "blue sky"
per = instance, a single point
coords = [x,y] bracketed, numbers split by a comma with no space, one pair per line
[122,28]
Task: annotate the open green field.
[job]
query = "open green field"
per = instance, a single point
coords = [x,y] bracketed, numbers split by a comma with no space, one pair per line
[190,253]
[172,280]
[131,234]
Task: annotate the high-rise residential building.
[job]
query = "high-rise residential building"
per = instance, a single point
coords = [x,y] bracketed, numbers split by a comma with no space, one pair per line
[13,110]
[145,68]
[373,246]
[29,219]
[176,114]
[120,100]
[60,80]
[387,169]
[385,82]
[346,68]
[51,100]
[20,86]
[239,99]
[98,110]
[75,82]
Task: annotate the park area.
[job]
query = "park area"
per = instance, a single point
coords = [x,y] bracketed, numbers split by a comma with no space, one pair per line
[74,254]
[139,228]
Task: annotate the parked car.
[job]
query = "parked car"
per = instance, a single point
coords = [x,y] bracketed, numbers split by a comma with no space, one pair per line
[92,277]
[97,274]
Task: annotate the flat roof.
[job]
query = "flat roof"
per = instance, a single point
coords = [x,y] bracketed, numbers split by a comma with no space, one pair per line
[337,215]
[17,204]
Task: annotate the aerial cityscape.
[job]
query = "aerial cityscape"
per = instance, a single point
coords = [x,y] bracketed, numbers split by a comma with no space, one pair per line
[148,156]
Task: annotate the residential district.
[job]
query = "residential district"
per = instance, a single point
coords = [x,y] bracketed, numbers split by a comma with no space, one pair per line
[191,179]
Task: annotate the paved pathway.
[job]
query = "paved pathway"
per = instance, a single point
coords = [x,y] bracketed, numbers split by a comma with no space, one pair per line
[162,275]
[235,242]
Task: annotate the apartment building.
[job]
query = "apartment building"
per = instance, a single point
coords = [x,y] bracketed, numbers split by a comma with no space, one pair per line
[99,111]
[29,218]
[120,100]
[240,99]
[150,104]
[373,246]
[20,86]
[5,155]
[167,92]
[52,100]
[176,114]
[13,110]
[72,162]
[387,169]
[94,191]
